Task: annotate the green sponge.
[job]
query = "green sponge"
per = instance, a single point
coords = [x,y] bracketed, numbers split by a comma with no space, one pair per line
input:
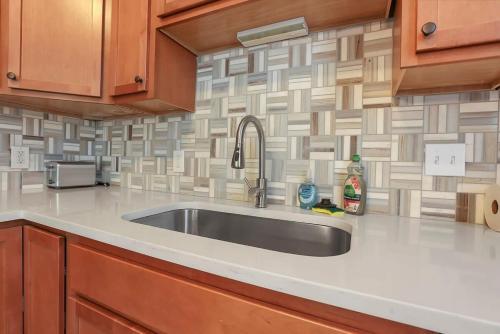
[327,207]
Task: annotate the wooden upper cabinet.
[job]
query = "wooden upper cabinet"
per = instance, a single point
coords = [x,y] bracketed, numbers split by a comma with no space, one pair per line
[43,282]
[171,7]
[129,46]
[11,276]
[445,24]
[458,49]
[56,46]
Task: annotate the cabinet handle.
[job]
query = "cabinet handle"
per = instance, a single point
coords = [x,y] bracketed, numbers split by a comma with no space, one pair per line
[138,79]
[428,28]
[11,76]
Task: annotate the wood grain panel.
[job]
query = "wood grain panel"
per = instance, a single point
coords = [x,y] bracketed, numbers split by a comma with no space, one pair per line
[129,45]
[60,55]
[214,26]
[88,318]
[43,282]
[179,86]
[11,291]
[463,76]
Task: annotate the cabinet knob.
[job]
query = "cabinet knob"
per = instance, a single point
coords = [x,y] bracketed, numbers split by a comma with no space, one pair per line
[428,28]
[11,76]
[138,79]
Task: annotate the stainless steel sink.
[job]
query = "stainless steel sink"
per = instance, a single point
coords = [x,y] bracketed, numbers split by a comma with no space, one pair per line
[273,234]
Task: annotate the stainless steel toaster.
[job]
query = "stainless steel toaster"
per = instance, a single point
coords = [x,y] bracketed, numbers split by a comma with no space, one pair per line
[70,174]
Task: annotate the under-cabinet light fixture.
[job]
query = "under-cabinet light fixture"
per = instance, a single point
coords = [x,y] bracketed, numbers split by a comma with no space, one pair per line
[274,32]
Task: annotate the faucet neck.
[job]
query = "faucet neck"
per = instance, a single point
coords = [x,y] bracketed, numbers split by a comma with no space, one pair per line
[238,158]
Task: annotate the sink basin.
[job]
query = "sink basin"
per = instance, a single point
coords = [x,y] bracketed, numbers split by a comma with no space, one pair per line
[273,234]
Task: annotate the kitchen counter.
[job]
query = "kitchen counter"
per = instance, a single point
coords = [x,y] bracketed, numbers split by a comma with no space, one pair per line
[437,275]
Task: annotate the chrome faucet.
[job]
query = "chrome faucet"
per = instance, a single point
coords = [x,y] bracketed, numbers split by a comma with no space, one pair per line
[238,161]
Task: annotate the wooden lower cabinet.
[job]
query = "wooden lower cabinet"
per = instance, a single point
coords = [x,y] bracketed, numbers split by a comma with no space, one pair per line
[168,304]
[165,298]
[11,291]
[43,282]
[109,290]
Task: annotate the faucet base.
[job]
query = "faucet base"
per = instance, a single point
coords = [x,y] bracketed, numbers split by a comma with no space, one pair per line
[261,193]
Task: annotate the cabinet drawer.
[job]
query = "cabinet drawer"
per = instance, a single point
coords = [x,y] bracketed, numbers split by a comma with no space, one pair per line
[87,318]
[167,304]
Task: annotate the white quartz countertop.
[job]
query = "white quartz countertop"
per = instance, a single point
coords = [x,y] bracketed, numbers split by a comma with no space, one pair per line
[437,275]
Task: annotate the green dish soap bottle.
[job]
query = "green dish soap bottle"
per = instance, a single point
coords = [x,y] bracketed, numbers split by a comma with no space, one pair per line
[355,188]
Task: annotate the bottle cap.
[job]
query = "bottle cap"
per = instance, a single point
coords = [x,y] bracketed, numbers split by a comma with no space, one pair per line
[356,158]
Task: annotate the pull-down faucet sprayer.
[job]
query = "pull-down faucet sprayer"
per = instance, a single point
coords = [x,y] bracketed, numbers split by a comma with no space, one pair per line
[238,161]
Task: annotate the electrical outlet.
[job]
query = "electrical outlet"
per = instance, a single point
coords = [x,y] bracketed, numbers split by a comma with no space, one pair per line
[445,159]
[178,162]
[19,157]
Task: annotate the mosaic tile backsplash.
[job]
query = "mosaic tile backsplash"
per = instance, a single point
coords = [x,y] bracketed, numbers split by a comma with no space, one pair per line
[320,99]
[48,136]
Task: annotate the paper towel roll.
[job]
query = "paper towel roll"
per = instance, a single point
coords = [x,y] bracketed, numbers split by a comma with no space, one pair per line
[492,207]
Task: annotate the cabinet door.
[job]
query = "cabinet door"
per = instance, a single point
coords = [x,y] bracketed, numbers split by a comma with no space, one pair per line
[129,46]
[457,23]
[87,318]
[11,290]
[56,46]
[43,282]
[171,7]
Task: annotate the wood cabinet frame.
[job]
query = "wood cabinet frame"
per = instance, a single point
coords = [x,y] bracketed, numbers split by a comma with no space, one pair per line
[171,7]
[11,289]
[44,261]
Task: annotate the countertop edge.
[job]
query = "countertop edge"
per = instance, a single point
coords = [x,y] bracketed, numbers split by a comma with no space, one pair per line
[390,309]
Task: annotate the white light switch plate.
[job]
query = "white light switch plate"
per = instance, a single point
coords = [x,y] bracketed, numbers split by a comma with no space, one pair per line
[445,159]
[19,157]
[178,162]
